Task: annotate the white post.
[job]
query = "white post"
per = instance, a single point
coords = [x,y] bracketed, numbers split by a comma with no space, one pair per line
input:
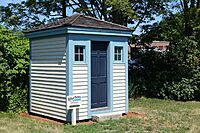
[74,116]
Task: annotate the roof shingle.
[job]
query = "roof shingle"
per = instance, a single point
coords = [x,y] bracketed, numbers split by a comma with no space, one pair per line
[79,20]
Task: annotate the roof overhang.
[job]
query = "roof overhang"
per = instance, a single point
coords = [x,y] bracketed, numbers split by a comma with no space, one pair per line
[78,30]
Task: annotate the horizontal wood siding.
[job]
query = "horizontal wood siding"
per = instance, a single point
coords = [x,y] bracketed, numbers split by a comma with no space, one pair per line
[80,87]
[119,88]
[48,77]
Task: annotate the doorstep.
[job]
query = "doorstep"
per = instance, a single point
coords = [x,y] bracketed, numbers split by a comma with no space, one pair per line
[106,116]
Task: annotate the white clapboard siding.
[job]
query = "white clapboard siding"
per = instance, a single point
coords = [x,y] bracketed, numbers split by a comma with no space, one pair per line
[49,98]
[48,90]
[48,61]
[53,87]
[49,65]
[49,101]
[80,87]
[48,77]
[48,83]
[119,88]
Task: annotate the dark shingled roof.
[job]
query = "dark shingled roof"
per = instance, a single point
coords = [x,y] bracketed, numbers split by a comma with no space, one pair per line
[78,20]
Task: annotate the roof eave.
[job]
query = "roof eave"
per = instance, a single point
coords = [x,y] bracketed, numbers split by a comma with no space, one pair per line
[78,30]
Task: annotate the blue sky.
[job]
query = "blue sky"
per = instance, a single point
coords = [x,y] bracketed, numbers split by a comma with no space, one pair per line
[69,12]
[5,2]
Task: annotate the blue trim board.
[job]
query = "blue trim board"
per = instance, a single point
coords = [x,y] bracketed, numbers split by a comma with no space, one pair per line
[30,58]
[69,61]
[78,30]
[110,71]
[89,79]
[97,31]
[68,66]
[126,62]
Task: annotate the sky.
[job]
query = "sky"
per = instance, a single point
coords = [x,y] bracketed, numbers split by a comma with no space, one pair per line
[69,12]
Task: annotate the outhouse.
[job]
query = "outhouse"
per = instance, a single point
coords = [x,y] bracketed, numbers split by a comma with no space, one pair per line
[78,55]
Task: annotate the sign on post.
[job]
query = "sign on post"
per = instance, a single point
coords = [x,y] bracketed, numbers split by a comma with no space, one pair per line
[73,102]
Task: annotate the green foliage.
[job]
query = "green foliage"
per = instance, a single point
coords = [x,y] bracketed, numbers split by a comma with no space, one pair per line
[183,90]
[172,75]
[14,65]
[121,11]
[31,13]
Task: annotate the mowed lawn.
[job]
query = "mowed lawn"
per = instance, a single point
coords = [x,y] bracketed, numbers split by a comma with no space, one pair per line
[160,116]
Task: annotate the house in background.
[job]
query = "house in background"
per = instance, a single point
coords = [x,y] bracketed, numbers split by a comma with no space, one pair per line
[79,55]
[158,46]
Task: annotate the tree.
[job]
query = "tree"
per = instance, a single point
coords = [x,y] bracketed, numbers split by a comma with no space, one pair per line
[190,12]
[184,23]
[174,74]
[16,16]
[121,11]
[14,63]
[32,12]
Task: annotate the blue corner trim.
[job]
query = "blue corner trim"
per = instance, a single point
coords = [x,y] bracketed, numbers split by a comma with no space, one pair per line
[110,80]
[126,62]
[69,61]
[70,64]
[68,115]
[30,58]
[88,51]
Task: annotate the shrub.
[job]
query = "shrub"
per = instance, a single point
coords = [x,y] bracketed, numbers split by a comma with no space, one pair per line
[173,75]
[14,62]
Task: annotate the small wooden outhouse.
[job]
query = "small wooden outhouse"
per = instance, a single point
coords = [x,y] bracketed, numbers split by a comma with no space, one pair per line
[78,55]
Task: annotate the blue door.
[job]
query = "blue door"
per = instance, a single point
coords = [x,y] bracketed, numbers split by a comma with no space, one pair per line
[98,74]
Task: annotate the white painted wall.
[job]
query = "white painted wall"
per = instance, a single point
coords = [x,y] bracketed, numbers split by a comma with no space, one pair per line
[119,88]
[80,87]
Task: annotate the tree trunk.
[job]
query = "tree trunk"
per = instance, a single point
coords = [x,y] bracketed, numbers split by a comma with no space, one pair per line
[192,4]
[188,29]
[104,9]
[64,6]
[198,3]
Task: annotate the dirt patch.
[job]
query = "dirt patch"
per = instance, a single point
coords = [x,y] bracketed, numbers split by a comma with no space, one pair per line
[39,118]
[130,114]
[43,119]
[85,122]
[133,115]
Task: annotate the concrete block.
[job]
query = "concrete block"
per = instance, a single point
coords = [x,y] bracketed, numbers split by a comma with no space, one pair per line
[106,116]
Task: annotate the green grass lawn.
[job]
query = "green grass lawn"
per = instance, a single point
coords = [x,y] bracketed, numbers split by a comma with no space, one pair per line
[160,116]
